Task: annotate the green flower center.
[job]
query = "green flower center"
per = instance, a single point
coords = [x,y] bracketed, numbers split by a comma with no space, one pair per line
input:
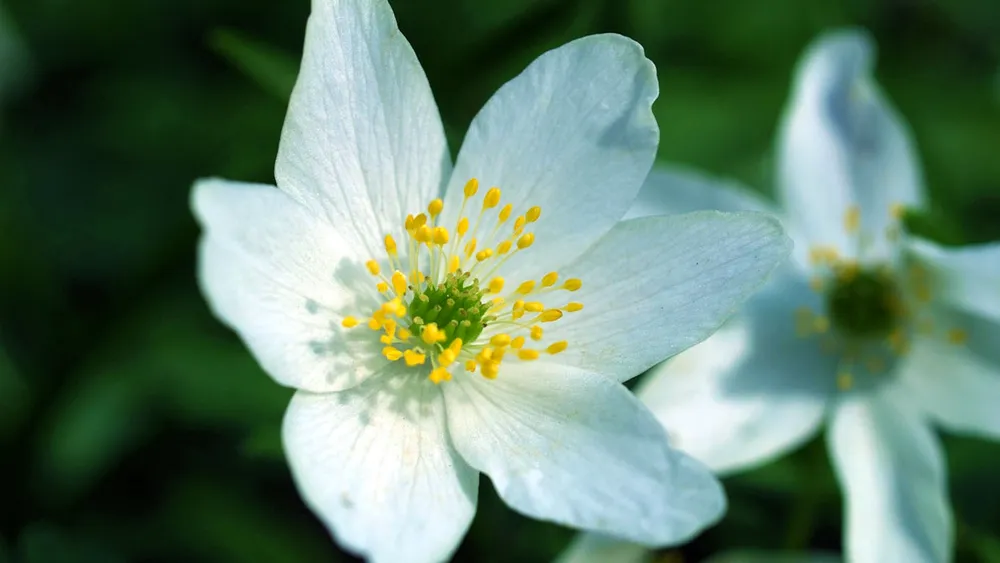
[864,303]
[455,305]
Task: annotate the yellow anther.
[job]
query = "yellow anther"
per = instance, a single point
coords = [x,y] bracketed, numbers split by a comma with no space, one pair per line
[517,314]
[440,235]
[484,254]
[496,285]
[419,221]
[485,355]
[536,332]
[573,307]
[957,336]
[435,207]
[845,381]
[404,334]
[498,302]
[549,279]
[431,334]
[470,247]
[517,343]
[439,375]
[470,365]
[471,187]
[572,284]
[398,282]
[503,247]
[492,198]
[463,227]
[527,354]
[453,264]
[505,212]
[391,353]
[349,322]
[852,219]
[490,370]
[557,347]
[447,357]
[526,240]
[534,307]
[408,223]
[413,358]
[822,255]
[804,321]
[821,324]
[373,268]
[390,244]
[519,224]
[423,234]
[455,346]
[550,315]
[897,210]
[533,214]
[374,323]
[382,287]
[500,340]
[526,287]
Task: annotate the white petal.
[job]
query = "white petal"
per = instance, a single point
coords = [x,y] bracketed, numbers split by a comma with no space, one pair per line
[376,466]
[573,134]
[595,548]
[281,278]
[362,142]
[752,391]
[842,144]
[755,556]
[958,384]
[576,448]
[967,277]
[655,286]
[670,190]
[891,469]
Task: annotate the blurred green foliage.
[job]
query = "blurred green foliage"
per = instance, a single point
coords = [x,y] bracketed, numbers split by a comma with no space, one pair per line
[134,427]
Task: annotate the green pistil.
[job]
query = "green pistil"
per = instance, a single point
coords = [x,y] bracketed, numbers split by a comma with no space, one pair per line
[864,303]
[456,305]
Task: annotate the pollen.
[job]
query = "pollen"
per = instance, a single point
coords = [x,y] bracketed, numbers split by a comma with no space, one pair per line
[443,303]
[852,219]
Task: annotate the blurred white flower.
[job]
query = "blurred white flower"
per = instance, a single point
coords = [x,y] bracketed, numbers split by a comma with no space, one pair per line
[875,332]
[429,347]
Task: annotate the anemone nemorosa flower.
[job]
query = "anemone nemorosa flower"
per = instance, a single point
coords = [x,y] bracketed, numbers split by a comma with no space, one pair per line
[873,331]
[442,322]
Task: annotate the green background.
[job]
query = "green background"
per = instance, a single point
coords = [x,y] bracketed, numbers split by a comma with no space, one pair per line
[134,427]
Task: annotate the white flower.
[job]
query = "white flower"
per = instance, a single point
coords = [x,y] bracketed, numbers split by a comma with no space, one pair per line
[491,332]
[874,332]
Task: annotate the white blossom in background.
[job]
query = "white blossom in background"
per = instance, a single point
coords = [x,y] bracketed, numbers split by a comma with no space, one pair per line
[873,332]
[443,322]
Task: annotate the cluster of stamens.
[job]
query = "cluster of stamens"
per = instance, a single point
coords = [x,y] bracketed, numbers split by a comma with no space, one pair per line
[445,305]
[871,311]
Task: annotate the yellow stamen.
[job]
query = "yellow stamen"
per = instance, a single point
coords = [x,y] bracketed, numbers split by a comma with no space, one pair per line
[527,354]
[349,322]
[470,365]
[572,284]
[398,282]
[526,287]
[534,307]
[390,245]
[549,279]
[496,285]
[382,287]
[526,240]
[505,212]
[439,374]
[533,214]
[503,247]
[413,358]
[557,347]
[550,315]
[440,236]
[373,268]
[500,340]
[573,307]
[484,254]
[517,343]
[492,198]
[536,332]
[471,187]
[391,353]
[431,334]
[463,227]
[435,207]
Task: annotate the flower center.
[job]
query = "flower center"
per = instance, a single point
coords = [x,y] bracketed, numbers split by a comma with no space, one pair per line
[445,304]
[864,303]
